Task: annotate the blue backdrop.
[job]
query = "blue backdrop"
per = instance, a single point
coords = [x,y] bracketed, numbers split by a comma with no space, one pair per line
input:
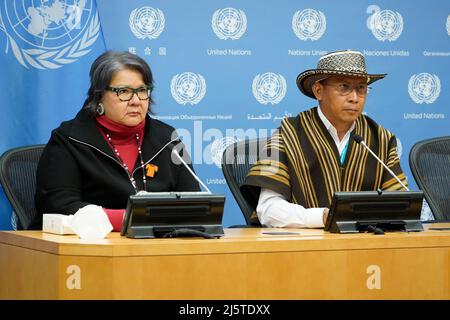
[224,70]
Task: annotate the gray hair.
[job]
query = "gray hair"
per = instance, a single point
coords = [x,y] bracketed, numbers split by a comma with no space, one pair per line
[106,66]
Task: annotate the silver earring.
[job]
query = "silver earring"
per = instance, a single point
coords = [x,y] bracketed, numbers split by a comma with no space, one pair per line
[100,109]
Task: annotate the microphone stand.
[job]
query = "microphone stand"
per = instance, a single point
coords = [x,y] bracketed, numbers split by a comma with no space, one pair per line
[360,141]
[175,152]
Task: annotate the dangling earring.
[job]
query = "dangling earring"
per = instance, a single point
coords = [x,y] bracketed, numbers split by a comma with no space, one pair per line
[100,109]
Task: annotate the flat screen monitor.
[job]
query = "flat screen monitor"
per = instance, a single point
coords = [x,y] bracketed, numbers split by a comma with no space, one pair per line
[170,214]
[364,210]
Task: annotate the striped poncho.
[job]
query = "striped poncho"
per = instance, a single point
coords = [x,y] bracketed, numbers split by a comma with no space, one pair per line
[301,162]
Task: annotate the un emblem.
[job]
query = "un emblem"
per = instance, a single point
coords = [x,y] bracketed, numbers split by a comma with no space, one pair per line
[188,87]
[426,214]
[49,34]
[424,88]
[384,24]
[229,23]
[309,24]
[269,88]
[218,147]
[146,22]
[448,25]
[399,147]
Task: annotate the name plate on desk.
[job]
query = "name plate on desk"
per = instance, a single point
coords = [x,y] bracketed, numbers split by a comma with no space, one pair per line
[167,214]
[365,210]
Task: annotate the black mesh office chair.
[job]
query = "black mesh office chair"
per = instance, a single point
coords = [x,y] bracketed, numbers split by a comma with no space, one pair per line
[430,165]
[236,162]
[18,178]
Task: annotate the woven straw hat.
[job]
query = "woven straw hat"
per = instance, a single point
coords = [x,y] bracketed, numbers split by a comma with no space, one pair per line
[347,63]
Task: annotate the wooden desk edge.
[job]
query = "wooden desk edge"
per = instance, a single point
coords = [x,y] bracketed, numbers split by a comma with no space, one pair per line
[251,240]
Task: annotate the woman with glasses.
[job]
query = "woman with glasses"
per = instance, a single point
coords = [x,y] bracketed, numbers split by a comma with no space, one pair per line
[313,155]
[112,148]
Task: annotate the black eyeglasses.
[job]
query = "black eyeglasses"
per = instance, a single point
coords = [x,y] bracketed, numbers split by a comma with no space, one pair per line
[345,89]
[126,94]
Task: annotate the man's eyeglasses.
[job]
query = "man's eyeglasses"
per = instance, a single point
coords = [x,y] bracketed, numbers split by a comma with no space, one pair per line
[126,94]
[345,89]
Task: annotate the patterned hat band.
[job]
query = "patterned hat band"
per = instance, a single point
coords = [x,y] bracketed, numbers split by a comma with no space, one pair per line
[346,63]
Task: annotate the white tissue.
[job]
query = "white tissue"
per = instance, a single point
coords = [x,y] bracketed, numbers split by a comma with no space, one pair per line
[57,223]
[91,222]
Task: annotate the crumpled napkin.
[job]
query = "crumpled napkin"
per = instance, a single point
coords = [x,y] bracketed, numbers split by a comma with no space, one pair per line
[91,222]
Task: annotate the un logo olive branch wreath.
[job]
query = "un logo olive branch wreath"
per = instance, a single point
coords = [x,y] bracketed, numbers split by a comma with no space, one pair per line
[53,59]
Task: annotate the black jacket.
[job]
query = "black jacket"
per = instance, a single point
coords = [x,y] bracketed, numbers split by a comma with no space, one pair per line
[77,168]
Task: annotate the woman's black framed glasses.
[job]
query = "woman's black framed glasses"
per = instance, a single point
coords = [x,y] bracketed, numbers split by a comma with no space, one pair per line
[126,93]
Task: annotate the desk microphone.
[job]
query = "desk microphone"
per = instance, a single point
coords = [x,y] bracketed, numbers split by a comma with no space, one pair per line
[360,141]
[175,152]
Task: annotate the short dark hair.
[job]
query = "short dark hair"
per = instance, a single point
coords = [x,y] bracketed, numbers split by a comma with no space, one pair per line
[106,66]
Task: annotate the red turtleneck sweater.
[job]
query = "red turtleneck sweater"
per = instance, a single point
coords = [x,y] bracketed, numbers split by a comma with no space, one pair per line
[124,140]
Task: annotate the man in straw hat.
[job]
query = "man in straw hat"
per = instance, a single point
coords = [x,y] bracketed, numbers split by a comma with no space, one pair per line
[313,155]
